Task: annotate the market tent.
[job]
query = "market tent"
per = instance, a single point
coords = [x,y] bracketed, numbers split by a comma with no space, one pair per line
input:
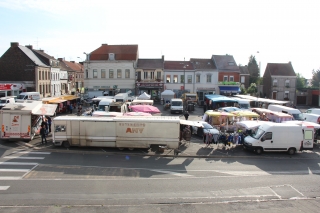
[46,109]
[144,96]
[304,124]
[217,118]
[144,108]
[220,98]
[251,124]
[167,95]
[245,114]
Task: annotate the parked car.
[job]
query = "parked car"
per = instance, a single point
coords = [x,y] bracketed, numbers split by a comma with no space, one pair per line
[229,109]
[207,128]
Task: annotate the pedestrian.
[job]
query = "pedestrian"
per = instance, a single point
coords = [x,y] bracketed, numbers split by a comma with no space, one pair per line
[70,108]
[49,123]
[186,115]
[79,109]
[43,134]
[45,123]
[204,106]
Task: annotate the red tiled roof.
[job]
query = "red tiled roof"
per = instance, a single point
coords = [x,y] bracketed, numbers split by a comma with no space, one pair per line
[178,65]
[122,52]
[281,69]
[203,63]
[74,66]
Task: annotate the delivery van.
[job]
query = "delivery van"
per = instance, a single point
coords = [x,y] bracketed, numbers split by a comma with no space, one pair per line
[121,97]
[315,118]
[313,111]
[176,105]
[28,96]
[7,100]
[104,104]
[280,137]
[120,132]
[297,115]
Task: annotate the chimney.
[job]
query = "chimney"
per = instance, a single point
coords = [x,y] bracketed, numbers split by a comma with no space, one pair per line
[14,44]
[61,59]
[29,46]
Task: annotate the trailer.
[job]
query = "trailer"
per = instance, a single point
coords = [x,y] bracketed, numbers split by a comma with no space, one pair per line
[117,132]
[23,120]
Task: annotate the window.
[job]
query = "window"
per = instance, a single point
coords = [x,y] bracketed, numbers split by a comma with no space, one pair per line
[231,63]
[275,82]
[60,128]
[287,83]
[139,75]
[87,74]
[225,78]
[158,75]
[119,73]
[182,79]
[189,78]
[127,73]
[168,78]
[308,134]
[208,78]
[95,73]
[103,73]
[286,94]
[197,78]
[267,136]
[110,73]
[175,79]
[39,75]
[231,78]
[151,75]
[243,79]
[145,75]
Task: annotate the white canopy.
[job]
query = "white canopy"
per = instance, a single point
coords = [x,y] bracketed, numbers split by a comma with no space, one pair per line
[144,96]
[167,92]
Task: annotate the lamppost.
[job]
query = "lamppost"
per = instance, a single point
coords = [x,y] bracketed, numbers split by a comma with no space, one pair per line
[184,77]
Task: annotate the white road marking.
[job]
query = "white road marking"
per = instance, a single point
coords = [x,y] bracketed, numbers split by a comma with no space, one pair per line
[35,153]
[29,158]
[18,163]
[4,188]
[14,170]
[171,173]
[11,178]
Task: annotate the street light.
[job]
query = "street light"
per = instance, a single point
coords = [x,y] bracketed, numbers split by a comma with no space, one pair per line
[184,76]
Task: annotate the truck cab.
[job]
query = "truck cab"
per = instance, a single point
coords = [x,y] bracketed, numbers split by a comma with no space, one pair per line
[7,100]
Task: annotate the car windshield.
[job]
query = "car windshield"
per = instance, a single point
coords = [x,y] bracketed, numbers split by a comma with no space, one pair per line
[176,103]
[3,101]
[258,134]
[298,117]
[22,97]
[207,126]
[244,106]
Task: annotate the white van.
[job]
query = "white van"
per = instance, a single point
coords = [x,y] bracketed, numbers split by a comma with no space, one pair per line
[28,96]
[315,118]
[243,104]
[121,97]
[280,137]
[176,105]
[313,111]
[104,103]
[7,100]
[297,115]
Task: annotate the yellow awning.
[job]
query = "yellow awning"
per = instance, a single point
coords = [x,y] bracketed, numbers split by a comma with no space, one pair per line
[69,97]
[245,114]
[56,101]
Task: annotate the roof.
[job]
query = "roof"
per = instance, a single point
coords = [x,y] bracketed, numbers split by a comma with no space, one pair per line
[74,66]
[225,62]
[203,63]
[32,56]
[178,65]
[150,63]
[244,70]
[41,52]
[281,69]
[122,52]
[64,66]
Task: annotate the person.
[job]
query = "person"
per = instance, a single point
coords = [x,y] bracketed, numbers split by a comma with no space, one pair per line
[204,107]
[43,134]
[79,109]
[186,115]
[49,123]
[45,124]
[70,108]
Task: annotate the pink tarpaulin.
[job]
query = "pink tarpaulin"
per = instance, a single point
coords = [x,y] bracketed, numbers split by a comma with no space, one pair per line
[145,108]
[137,114]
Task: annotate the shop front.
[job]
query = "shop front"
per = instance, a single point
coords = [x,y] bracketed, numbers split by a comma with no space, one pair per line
[11,89]
[154,89]
[201,92]
[229,90]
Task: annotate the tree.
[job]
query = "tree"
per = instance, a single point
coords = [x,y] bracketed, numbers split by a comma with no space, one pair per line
[315,78]
[253,70]
[300,81]
[252,89]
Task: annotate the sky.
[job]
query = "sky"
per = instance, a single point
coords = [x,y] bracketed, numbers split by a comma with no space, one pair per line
[274,31]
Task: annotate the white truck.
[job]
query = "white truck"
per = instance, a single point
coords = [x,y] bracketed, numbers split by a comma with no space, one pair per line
[120,132]
[7,100]
[176,105]
[121,97]
[297,115]
[23,120]
[280,137]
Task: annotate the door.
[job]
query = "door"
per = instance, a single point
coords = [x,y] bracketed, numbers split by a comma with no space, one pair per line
[266,141]
[274,95]
[308,139]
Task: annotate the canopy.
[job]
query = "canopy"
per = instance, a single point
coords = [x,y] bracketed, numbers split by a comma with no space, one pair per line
[144,108]
[304,124]
[137,114]
[245,114]
[167,92]
[68,97]
[220,98]
[251,124]
[264,100]
[218,114]
[144,96]
[46,109]
[56,101]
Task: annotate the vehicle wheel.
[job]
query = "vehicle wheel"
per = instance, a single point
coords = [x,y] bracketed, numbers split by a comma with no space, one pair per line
[291,151]
[66,144]
[259,150]
[131,149]
[171,112]
[121,148]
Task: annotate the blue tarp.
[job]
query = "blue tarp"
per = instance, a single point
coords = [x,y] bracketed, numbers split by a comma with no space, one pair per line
[232,89]
[220,98]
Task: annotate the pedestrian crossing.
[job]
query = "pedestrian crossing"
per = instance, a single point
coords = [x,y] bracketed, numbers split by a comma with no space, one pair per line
[16,165]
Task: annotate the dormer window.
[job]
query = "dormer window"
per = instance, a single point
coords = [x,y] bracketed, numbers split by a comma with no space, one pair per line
[111,56]
[230,63]
[275,83]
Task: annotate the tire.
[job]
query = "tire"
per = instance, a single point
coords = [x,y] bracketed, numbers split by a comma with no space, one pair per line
[291,151]
[121,148]
[66,144]
[259,150]
[131,149]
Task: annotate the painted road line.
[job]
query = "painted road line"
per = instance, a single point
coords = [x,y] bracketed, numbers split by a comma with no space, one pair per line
[4,188]
[171,173]
[18,163]
[35,153]
[11,178]
[28,158]
[14,170]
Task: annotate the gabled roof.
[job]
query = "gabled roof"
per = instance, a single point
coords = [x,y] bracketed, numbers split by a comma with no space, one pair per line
[41,52]
[32,56]
[244,70]
[122,52]
[74,66]
[203,63]
[281,69]
[63,65]
[225,62]
[178,65]
[150,63]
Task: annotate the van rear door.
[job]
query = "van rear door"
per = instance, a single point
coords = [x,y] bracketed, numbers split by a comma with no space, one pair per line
[308,134]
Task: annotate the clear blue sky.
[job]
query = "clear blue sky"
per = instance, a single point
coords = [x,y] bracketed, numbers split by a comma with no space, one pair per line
[280,30]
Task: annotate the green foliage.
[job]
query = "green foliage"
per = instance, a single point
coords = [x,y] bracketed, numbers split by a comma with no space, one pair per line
[252,89]
[315,78]
[253,70]
[300,81]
